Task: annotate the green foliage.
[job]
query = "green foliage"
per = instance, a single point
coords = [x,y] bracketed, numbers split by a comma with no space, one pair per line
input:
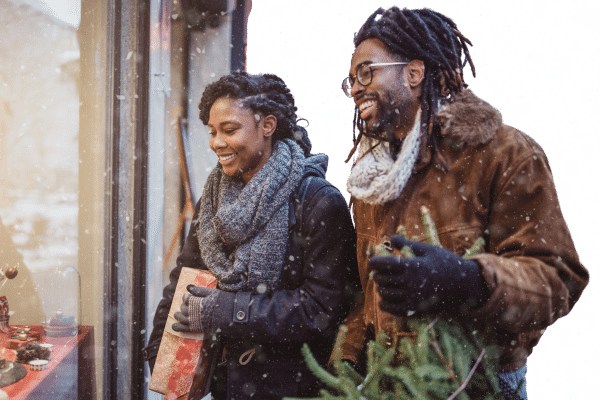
[444,360]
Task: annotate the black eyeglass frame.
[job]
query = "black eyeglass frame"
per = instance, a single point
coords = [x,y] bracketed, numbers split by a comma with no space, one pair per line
[348,82]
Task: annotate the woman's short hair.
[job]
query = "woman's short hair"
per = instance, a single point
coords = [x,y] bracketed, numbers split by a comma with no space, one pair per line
[266,94]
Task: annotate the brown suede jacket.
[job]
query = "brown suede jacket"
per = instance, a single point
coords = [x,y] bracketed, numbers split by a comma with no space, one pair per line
[485,180]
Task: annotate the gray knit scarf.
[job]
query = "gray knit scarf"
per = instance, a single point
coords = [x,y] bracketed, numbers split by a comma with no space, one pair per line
[243,229]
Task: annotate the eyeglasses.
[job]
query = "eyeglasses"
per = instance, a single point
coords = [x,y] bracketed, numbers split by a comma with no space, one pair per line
[364,75]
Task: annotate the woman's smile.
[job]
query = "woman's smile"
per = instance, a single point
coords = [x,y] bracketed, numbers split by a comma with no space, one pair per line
[227,158]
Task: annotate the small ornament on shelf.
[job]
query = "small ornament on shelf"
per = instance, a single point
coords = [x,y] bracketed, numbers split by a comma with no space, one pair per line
[11,273]
[38,365]
[32,351]
[4,314]
[63,318]
[60,325]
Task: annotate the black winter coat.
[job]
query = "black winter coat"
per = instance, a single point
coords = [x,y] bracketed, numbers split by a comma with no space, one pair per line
[319,285]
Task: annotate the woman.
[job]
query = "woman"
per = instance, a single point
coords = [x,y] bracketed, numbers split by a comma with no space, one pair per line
[278,238]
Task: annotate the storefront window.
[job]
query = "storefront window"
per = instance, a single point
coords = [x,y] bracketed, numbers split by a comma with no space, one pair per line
[39,199]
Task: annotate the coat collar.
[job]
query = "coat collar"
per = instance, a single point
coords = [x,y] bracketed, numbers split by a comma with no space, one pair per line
[469,119]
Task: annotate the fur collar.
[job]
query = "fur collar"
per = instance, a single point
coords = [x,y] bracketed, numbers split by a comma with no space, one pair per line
[469,119]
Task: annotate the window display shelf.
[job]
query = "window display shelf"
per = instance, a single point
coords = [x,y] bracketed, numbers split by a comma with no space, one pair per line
[70,373]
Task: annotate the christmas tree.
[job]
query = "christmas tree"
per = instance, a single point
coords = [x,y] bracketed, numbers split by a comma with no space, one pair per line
[444,359]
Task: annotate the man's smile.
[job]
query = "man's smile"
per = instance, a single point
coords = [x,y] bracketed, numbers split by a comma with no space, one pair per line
[366,108]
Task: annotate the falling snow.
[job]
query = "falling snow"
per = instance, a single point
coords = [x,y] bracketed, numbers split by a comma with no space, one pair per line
[537,61]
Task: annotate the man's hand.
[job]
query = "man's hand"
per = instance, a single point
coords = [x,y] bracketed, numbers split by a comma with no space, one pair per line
[434,281]
[190,317]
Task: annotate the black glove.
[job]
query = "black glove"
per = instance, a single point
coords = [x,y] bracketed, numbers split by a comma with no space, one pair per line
[196,310]
[434,281]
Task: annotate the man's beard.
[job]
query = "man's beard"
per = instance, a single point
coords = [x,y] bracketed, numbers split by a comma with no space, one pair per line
[388,117]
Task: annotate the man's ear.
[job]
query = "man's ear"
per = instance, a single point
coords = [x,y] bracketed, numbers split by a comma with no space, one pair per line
[415,71]
[268,125]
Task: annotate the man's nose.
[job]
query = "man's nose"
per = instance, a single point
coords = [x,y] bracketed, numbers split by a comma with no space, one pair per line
[356,87]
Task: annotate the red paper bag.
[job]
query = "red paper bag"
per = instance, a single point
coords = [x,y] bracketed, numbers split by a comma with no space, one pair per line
[179,353]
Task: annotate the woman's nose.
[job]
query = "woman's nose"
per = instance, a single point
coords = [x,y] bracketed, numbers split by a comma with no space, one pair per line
[216,142]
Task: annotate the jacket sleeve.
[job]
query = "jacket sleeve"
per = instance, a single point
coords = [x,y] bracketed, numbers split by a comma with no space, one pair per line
[327,287]
[189,257]
[531,268]
[356,336]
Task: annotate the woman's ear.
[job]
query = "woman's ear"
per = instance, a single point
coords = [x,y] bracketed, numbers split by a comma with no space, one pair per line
[268,125]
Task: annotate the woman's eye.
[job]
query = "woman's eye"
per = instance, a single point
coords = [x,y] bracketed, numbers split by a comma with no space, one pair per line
[212,133]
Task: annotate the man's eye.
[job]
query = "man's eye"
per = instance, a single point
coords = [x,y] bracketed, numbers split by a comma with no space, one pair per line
[212,133]
[364,72]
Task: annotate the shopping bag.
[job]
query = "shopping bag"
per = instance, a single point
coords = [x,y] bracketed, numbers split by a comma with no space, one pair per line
[180,353]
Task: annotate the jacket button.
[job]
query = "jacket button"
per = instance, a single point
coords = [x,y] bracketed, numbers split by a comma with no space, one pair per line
[240,315]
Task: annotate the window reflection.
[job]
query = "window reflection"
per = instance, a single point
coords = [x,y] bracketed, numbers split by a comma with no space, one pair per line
[39,165]
[39,122]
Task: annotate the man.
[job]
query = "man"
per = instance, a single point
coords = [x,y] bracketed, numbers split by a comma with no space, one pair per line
[426,141]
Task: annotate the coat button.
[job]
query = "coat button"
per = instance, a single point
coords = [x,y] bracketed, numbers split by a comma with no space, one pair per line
[240,315]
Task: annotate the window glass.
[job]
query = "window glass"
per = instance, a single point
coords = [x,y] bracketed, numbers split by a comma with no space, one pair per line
[39,167]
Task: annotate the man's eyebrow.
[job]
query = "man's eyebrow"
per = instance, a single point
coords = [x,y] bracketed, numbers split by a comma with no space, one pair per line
[361,64]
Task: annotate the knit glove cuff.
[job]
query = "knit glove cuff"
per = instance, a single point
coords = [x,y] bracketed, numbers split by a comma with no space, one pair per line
[201,312]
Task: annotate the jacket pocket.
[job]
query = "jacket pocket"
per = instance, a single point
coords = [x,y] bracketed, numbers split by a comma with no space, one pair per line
[459,239]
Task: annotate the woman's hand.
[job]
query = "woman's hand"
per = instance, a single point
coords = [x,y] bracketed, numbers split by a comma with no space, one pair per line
[191,318]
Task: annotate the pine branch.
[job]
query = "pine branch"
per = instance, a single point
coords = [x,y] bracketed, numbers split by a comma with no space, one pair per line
[407,252]
[466,382]
[376,366]
[430,230]
[401,230]
[336,355]
[438,350]
[477,247]
[319,371]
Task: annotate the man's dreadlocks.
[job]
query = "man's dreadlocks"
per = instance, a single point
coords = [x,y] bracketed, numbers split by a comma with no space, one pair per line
[423,35]
[266,94]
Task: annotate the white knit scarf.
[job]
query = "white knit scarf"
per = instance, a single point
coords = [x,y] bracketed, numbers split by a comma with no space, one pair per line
[376,178]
